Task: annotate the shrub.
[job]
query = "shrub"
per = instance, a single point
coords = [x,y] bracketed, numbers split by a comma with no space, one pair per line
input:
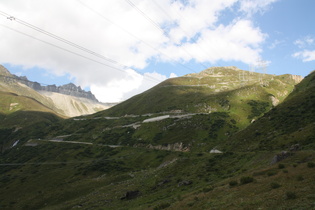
[295,165]
[275,185]
[311,164]
[290,195]
[285,171]
[246,179]
[281,166]
[271,173]
[207,189]
[299,178]
[190,204]
[162,206]
[233,183]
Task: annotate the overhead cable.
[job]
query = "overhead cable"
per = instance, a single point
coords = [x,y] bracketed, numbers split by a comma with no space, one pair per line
[157,25]
[134,36]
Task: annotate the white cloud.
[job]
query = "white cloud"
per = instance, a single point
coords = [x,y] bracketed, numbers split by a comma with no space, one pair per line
[118,31]
[251,7]
[305,56]
[223,43]
[305,42]
[121,89]
[276,43]
[173,75]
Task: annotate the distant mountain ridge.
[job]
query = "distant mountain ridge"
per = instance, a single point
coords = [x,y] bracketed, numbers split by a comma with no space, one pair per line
[67,100]
[68,89]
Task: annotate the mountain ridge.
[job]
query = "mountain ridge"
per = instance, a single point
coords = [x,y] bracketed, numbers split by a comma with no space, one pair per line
[66,100]
[67,89]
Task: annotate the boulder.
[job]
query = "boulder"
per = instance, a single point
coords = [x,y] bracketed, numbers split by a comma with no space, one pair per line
[131,195]
[281,156]
[184,183]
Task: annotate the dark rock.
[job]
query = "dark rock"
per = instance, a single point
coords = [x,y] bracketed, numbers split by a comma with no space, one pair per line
[163,182]
[295,147]
[131,195]
[281,156]
[184,183]
[68,89]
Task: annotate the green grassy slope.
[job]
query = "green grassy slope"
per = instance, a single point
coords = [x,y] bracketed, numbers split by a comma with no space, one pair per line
[11,88]
[291,122]
[215,112]
[24,125]
[64,176]
[11,102]
[39,174]
[205,92]
[220,105]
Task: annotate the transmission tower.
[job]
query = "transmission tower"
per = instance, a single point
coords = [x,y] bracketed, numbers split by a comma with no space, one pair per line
[260,67]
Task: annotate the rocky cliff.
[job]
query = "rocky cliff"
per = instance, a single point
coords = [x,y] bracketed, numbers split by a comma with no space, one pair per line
[68,89]
[67,100]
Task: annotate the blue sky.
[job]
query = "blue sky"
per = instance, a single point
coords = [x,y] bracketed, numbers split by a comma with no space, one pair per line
[146,42]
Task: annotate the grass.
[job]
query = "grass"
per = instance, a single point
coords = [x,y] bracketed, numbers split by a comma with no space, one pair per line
[78,178]
[11,103]
[63,176]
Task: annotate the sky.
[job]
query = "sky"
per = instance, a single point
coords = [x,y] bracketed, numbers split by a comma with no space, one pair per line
[120,48]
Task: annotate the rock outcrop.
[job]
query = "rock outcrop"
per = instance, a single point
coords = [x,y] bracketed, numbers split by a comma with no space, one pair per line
[68,89]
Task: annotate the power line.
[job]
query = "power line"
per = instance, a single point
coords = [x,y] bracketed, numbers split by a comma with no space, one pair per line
[12,18]
[61,48]
[157,25]
[134,36]
[56,37]
[184,31]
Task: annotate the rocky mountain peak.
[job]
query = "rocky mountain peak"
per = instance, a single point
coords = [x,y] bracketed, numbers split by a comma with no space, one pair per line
[4,71]
[68,89]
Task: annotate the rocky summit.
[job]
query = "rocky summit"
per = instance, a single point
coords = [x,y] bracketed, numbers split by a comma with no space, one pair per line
[68,89]
[67,100]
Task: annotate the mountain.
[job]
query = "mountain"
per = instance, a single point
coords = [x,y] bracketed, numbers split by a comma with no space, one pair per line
[254,148]
[68,89]
[291,122]
[211,90]
[200,110]
[67,100]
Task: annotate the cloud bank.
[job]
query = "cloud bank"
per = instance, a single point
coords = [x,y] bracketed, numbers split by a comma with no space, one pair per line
[306,44]
[129,35]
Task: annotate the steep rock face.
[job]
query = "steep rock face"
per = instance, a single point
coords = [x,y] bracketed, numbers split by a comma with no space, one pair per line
[68,89]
